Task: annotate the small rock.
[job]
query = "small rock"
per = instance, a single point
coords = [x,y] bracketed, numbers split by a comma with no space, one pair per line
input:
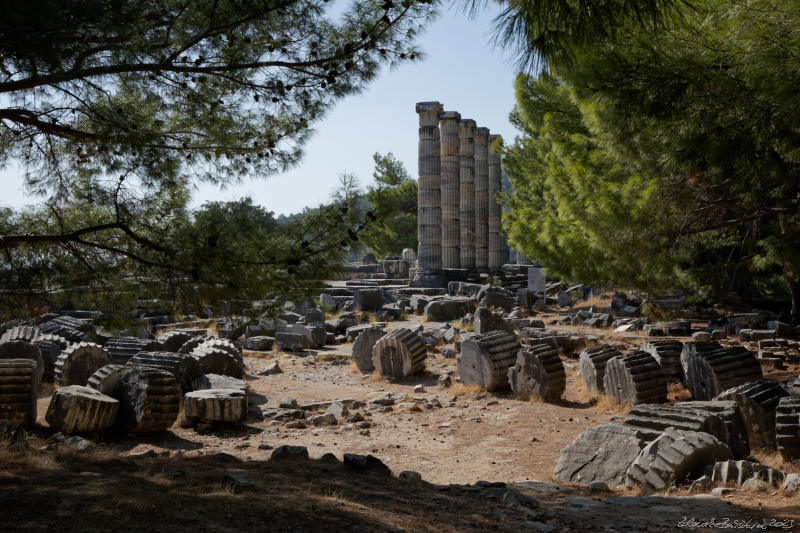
[78,443]
[722,491]
[792,483]
[338,409]
[289,403]
[598,486]
[19,446]
[512,497]
[365,462]
[757,485]
[57,437]
[357,417]
[328,419]
[289,452]
[149,454]
[265,446]
[539,527]
[410,475]
[445,380]
[702,484]
[580,501]
[274,368]
[419,389]
[296,424]
[236,480]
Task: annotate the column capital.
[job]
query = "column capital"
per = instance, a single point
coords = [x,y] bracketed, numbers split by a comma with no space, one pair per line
[429,107]
[483,133]
[467,123]
[450,115]
[493,137]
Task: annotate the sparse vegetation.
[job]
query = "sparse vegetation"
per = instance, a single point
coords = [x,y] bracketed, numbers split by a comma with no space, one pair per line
[459,389]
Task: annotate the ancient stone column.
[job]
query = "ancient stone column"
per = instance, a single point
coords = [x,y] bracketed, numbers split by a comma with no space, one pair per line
[467,178]
[495,241]
[450,186]
[429,210]
[481,199]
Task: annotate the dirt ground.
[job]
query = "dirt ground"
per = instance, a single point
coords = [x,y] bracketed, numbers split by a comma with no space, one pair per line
[450,436]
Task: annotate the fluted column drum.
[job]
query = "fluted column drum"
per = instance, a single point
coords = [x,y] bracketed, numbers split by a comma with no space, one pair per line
[429,210]
[495,244]
[450,187]
[481,198]
[467,181]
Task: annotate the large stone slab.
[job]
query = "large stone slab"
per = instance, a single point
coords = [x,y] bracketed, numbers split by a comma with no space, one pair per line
[291,342]
[80,409]
[448,309]
[217,381]
[215,405]
[368,299]
[602,453]
[363,346]
[485,320]
[316,334]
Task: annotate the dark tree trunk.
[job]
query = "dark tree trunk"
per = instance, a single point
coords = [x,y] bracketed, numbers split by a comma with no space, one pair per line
[794,288]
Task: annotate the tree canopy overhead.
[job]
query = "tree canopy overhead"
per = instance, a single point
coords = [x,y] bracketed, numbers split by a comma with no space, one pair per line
[116,108]
[156,89]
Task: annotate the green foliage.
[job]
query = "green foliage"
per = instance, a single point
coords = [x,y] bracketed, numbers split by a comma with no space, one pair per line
[548,33]
[161,89]
[119,108]
[394,204]
[667,156]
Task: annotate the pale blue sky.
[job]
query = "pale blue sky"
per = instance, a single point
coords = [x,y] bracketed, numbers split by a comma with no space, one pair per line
[460,70]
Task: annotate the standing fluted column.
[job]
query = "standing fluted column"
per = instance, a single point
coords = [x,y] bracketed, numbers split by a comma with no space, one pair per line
[467,179]
[429,210]
[481,199]
[505,186]
[495,184]
[451,200]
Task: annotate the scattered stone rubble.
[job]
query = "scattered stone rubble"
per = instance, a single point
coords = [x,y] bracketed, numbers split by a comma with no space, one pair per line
[136,384]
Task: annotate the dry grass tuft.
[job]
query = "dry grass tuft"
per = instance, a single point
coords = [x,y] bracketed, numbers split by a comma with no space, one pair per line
[459,389]
[375,377]
[528,397]
[353,368]
[576,381]
[258,355]
[603,300]
[773,459]
[608,404]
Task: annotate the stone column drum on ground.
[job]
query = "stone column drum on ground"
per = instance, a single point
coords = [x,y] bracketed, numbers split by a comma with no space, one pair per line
[467,186]
[481,136]
[450,189]
[429,209]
